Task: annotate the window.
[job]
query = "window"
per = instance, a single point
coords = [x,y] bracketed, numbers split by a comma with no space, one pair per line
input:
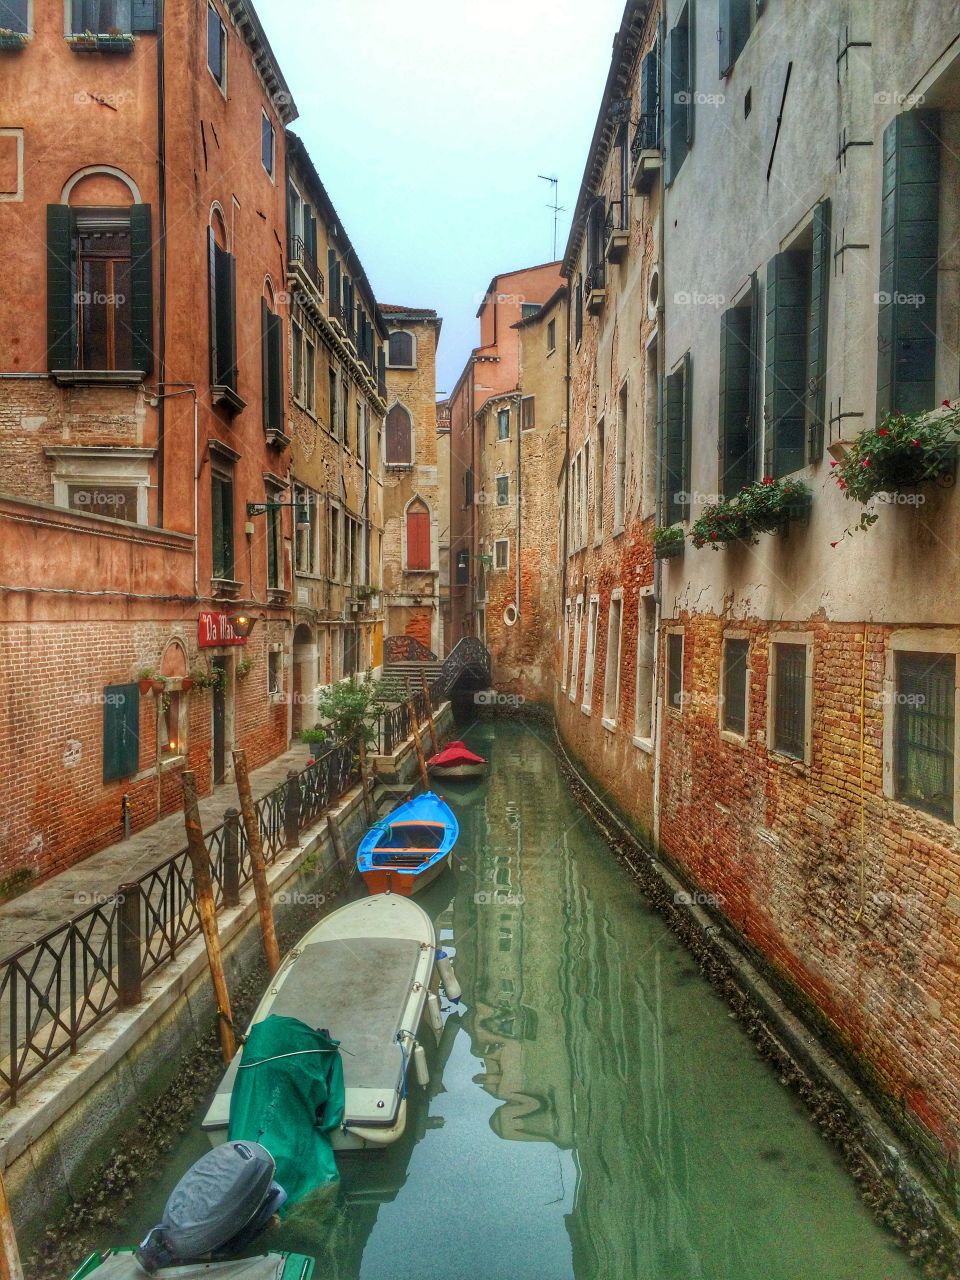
[335,543]
[567,624]
[620,464]
[216,47]
[274,543]
[592,620]
[733,690]
[115,500]
[296,343]
[528,309]
[501,554]
[503,490]
[527,413]
[222,524]
[400,350]
[676,444]
[223,332]
[267,143]
[575,669]
[598,485]
[740,374]
[735,22]
[171,735]
[924,731]
[551,337]
[14,15]
[578,310]
[102,481]
[611,671]
[399,437]
[271,332]
[675,670]
[418,535]
[275,673]
[789,700]
[503,424]
[678,95]
[121,731]
[350,651]
[306,546]
[646,670]
[359,426]
[333,400]
[309,375]
[102,17]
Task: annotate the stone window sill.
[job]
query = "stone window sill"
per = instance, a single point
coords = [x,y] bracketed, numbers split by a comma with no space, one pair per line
[97,377]
[608,724]
[585,708]
[734,739]
[643,744]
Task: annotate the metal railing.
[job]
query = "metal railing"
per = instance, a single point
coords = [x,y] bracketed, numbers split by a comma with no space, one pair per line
[300,255]
[56,989]
[646,136]
[596,277]
[618,218]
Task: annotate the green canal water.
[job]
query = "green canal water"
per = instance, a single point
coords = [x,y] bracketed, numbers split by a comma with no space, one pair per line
[593,1112]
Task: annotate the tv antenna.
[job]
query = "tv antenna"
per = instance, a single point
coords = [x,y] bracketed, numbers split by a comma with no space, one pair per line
[556,206]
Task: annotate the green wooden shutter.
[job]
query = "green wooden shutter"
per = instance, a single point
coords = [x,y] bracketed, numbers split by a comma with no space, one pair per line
[737,428]
[141,286]
[265,362]
[144,15]
[676,450]
[121,731]
[276,372]
[212,291]
[381,367]
[786,368]
[689,30]
[674,107]
[224,305]
[820,262]
[650,96]
[61,311]
[732,35]
[909,239]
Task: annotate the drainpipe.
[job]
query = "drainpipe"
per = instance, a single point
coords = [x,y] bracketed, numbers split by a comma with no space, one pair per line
[516,602]
[565,468]
[658,503]
[162,300]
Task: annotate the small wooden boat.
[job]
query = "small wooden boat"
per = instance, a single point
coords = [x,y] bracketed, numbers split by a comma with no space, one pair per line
[364,972]
[410,847]
[121,1264]
[456,760]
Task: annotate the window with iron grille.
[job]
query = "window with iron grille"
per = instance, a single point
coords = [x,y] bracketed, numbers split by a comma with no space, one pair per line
[222,524]
[503,424]
[924,737]
[102,17]
[790,699]
[734,710]
[675,670]
[503,490]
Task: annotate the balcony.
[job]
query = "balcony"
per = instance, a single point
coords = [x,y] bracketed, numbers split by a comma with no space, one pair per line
[646,156]
[596,287]
[616,230]
[335,312]
[303,271]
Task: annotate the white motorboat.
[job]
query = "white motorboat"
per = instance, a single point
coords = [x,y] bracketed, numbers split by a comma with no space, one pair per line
[364,974]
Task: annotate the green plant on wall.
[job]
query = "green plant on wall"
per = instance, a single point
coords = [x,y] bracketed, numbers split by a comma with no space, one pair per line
[244,667]
[204,678]
[351,707]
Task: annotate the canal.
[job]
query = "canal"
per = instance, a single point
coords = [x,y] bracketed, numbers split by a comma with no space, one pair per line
[600,1113]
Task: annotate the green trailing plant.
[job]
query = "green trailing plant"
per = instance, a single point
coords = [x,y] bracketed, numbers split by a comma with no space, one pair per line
[351,707]
[203,678]
[147,673]
[314,736]
[364,592]
[244,667]
[902,451]
[762,507]
[668,540]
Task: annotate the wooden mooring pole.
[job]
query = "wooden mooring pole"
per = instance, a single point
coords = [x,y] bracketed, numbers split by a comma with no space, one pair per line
[206,910]
[365,782]
[10,1268]
[429,708]
[258,866]
[418,744]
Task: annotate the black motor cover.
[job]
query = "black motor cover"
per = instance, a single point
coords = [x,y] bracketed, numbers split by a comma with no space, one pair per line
[228,1189]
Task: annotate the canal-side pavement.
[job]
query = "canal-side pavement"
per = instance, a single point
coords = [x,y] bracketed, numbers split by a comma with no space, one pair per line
[31,915]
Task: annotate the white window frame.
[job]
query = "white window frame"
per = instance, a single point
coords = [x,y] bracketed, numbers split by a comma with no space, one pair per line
[804,638]
[681,632]
[101,466]
[593,622]
[272,171]
[501,542]
[577,633]
[413,340]
[599,464]
[505,502]
[567,622]
[226,61]
[611,689]
[620,461]
[275,657]
[645,678]
[730,735]
[935,641]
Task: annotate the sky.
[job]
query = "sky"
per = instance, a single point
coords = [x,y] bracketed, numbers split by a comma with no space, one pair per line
[429,123]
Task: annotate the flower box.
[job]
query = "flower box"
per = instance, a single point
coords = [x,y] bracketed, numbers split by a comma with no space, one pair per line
[767,506]
[89,43]
[13,40]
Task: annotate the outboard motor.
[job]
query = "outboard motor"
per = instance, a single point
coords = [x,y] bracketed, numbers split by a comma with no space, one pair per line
[216,1209]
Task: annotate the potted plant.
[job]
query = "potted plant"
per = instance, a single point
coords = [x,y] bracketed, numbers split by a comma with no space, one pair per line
[766,506]
[244,667]
[668,541]
[149,681]
[314,737]
[900,453]
[201,678]
[10,39]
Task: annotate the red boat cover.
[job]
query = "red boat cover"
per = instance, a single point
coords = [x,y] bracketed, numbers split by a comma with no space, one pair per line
[455,753]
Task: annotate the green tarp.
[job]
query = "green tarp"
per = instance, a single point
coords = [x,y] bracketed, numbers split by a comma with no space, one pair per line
[288,1095]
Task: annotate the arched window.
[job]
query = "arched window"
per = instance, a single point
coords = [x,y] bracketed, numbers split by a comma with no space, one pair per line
[418,535]
[400,350]
[399,437]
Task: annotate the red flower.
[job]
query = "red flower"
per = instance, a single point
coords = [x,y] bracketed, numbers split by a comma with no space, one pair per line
[713,534]
[842,484]
[834,544]
[946,404]
[883,432]
[915,442]
[834,464]
[768,479]
[866,462]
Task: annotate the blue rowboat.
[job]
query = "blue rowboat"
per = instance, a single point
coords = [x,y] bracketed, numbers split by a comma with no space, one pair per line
[408,848]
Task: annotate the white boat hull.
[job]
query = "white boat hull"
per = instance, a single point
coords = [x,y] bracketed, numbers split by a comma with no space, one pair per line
[457,770]
[363,972]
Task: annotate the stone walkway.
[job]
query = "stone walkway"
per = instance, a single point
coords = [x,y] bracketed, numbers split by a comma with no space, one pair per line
[39,910]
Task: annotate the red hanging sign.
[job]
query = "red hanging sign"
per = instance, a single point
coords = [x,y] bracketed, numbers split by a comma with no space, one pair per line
[214,630]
